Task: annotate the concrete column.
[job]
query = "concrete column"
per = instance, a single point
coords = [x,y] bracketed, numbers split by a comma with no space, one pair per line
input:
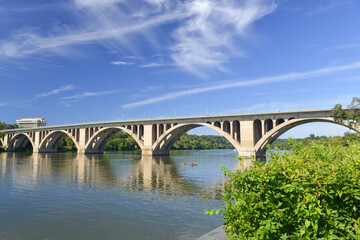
[6,140]
[147,140]
[247,139]
[262,127]
[36,142]
[231,130]
[82,143]
[157,131]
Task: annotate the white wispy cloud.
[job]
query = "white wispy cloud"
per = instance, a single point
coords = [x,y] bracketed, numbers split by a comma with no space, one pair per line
[150,88]
[32,8]
[340,47]
[121,63]
[24,103]
[205,40]
[321,9]
[81,96]
[55,91]
[155,64]
[27,42]
[202,36]
[96,3]
[265,80]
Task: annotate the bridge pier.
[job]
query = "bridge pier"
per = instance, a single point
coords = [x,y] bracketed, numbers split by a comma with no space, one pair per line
[147,152]
[247,153]
[36,150]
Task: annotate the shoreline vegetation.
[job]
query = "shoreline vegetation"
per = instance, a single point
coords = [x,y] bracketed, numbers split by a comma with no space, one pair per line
[309,192]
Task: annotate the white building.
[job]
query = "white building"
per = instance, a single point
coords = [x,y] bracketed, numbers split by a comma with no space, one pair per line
[31,122]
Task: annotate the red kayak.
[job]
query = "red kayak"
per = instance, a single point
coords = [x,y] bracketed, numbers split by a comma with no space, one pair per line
[192,165]
[137,158]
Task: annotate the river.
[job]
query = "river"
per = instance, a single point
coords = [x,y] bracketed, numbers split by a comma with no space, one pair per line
[110,195]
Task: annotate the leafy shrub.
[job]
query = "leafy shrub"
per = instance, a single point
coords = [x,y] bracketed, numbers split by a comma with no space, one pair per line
[311,192]
[3,149]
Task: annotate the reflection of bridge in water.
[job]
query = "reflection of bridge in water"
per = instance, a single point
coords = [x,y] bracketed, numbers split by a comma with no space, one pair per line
[248,133]
[158,173]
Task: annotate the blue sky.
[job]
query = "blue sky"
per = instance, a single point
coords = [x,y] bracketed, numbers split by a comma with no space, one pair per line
[74,61]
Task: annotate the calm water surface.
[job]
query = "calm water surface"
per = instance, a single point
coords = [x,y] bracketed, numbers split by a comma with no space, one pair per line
[110,196]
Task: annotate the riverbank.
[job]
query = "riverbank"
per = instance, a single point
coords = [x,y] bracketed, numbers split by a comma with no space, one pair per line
[216,234]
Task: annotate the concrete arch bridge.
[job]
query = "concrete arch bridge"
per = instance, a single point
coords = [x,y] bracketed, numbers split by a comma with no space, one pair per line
[248,133]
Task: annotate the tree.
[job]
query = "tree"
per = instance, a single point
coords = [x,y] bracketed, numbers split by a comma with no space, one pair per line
[67,144]
[351,115]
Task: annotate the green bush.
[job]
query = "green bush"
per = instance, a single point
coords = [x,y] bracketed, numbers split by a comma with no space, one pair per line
[311,192]
[3,149]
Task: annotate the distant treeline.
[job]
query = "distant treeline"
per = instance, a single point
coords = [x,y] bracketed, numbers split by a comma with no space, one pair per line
[4,126]
[339,141]
[192,141]
[121,141]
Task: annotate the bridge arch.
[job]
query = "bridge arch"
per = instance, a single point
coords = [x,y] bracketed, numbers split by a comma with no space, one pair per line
[51,142]
[283,127]
[97,143]
[18,141]
[163,144]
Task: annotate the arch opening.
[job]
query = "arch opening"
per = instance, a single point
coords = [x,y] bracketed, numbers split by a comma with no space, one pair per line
[135,129]
[236,130]
[114,139]
[181,139]
[59,141]
[226,127]
[304,129]
[141,132]
[21,143]
[279,121]
[154,133]
[161,129]
[257,130]
[268,125]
